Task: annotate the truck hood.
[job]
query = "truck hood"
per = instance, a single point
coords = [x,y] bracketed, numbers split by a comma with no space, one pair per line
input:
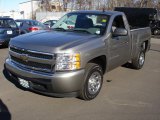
[50,41]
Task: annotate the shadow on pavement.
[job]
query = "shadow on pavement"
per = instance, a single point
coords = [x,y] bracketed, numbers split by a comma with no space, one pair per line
[12,80]
[9,78]
[4,112]
[3,46]
[156,36]
[128,65]
[155,50]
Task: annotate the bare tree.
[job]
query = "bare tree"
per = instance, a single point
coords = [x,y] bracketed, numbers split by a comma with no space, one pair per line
[65,4]
[46,5]
[79,4]
[98,4]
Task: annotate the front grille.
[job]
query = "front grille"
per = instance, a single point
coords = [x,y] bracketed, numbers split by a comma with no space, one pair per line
[31,53]
[43,63]
[32,64]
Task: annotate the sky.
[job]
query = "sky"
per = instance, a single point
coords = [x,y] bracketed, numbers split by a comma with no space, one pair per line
[8,5]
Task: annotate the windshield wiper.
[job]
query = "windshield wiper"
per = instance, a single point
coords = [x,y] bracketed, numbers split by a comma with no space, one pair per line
[59,29]
[80,30]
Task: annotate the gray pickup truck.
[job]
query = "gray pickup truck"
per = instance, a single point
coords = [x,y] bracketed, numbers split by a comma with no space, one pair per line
[71,59]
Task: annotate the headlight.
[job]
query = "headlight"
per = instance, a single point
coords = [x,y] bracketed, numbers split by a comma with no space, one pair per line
[67,61]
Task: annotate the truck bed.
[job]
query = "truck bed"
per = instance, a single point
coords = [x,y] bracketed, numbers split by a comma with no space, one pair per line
[138,36]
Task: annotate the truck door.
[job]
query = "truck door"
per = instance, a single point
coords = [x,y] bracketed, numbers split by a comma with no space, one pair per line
[119,48]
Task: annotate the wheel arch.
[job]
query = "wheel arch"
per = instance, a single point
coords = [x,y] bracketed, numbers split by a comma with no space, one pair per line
[100,60]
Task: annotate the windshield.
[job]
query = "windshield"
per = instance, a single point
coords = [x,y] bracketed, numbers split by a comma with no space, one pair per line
[8,23]
[36,23]
[83,22]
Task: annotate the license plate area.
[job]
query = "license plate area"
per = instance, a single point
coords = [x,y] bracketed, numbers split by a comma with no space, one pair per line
[9,32]
[23,83]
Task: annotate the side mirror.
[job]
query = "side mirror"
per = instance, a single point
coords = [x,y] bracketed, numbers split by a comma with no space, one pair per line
[48,26]
[120,32]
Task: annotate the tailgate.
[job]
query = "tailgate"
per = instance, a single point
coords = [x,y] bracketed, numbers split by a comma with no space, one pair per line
[9,32]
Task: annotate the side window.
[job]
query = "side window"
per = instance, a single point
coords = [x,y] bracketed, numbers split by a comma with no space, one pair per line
[34,23]
[12,24]
[1,23]
[25,24]
[118,23]
[20,24]
[48,22]
[29,23]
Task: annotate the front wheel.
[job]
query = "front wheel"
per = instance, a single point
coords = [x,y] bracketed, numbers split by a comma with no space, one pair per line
[93,82]
[138,62]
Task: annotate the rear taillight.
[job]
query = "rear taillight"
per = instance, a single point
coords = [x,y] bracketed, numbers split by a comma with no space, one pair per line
[18,31]
[33,29]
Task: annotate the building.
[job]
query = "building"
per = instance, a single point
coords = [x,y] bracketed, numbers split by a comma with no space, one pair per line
[11,14]
[28,8]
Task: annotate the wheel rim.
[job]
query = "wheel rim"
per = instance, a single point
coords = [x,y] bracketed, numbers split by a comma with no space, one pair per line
[94,83]
[156,32]
[141,59]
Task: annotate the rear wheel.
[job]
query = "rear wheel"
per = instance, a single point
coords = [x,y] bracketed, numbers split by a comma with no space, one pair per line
[156,32]
[138,62]
[93,82]
[22,32]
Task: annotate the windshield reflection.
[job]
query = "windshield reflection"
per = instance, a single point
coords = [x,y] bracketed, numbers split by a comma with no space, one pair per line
[82,22]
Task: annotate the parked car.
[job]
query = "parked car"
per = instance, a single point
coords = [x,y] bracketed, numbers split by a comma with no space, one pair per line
[71,62]
[27,26]
[50,23]
[142,17]
[8,30]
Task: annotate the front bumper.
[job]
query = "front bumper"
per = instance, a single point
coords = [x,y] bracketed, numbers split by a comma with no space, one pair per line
[60,84]
[4,41]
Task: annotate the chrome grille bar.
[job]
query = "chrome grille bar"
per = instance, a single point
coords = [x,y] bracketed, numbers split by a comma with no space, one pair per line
[33,60]
[32,53]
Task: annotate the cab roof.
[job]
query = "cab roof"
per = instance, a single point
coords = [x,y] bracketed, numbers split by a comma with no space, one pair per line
[98,12]
[5,18]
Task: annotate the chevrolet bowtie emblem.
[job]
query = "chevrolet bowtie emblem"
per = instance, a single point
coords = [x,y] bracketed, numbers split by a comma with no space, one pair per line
[24,57]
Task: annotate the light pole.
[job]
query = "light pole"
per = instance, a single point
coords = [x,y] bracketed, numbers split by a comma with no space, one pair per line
[32,8]
[12,13]
[22,13]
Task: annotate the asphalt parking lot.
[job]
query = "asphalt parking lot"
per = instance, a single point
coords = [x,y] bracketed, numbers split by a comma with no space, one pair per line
[126,94]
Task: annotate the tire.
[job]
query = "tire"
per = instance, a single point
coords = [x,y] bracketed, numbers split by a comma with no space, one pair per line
[93,82]
[138,62]
[156,32]
[22,33]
